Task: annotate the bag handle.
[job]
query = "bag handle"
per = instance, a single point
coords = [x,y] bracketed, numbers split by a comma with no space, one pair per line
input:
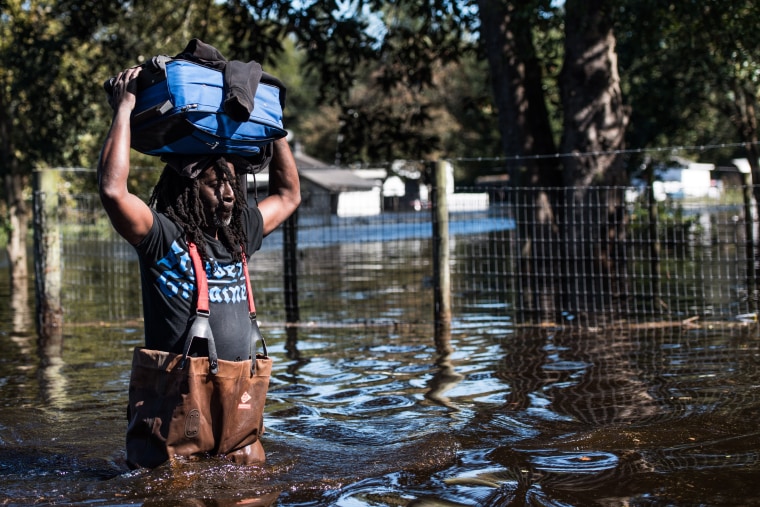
[201,327]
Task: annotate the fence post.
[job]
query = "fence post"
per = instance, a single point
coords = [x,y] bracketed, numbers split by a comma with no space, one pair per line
[290,260]
[441,267]
[47,256]
[654,246]
[749,243]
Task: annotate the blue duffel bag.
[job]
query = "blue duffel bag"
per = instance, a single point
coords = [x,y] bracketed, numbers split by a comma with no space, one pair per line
[183,108]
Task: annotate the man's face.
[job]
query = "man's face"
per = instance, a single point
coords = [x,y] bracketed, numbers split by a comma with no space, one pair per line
[217,196]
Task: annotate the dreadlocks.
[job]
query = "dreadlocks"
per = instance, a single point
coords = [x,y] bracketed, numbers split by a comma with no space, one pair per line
[177,196]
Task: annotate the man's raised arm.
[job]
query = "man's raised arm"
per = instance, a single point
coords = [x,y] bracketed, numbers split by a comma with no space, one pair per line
[284,188]
[130,215]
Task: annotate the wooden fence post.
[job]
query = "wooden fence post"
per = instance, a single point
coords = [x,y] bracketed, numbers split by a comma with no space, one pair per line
[290,269]
[47,256]
[441,268]
[654,245]
[749,243]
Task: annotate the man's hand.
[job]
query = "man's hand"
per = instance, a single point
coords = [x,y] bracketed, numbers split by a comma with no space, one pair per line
[124,89]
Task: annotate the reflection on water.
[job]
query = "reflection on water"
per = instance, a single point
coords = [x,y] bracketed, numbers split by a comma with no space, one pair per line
[379,416]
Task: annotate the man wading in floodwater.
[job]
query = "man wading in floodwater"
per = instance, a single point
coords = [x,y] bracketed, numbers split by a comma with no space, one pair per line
[198,201]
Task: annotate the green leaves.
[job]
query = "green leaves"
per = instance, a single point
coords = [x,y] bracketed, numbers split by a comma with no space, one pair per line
[691,70]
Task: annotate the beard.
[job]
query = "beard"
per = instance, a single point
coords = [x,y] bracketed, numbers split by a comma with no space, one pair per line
[220,221]
[218,217]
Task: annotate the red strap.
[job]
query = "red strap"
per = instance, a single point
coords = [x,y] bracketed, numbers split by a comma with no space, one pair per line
[251,304]
[200,276]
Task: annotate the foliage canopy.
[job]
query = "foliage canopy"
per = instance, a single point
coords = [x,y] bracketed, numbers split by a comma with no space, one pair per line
[373,80]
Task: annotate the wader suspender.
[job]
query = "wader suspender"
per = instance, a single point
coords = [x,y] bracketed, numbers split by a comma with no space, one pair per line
[201,327]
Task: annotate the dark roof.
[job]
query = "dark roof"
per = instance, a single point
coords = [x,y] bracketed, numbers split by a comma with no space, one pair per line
[331,178]
[336,180]
[304,161]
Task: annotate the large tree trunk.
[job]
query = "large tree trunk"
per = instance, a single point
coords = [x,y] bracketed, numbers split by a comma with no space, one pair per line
[516,78]
[17,248]
[16,220]
[595,119]
[517,81]
[744,118]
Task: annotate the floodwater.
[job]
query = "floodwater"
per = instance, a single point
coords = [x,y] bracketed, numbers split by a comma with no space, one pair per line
[490,415]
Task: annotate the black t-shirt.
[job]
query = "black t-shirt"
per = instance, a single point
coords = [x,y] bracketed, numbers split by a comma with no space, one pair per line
[169,288]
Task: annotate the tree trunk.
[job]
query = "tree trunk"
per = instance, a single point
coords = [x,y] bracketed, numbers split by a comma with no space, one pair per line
[516,78]
[18,220]
[595,119]
[745,120]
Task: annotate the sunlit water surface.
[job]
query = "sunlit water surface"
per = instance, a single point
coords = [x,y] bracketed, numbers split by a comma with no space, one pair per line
[378,416]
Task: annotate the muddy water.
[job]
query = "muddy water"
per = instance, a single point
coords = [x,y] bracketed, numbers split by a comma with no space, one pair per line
[384,417]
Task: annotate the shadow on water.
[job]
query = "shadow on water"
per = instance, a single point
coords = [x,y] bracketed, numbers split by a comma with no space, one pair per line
[491,416]
[658,417]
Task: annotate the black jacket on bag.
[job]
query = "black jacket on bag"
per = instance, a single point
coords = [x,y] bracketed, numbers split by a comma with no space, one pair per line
[241,79]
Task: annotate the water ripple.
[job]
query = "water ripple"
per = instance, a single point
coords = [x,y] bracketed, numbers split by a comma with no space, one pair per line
[572,462]
[379,403]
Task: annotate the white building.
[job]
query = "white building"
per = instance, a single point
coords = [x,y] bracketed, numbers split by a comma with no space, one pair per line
[686,178]
[678,178]
[326,189]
